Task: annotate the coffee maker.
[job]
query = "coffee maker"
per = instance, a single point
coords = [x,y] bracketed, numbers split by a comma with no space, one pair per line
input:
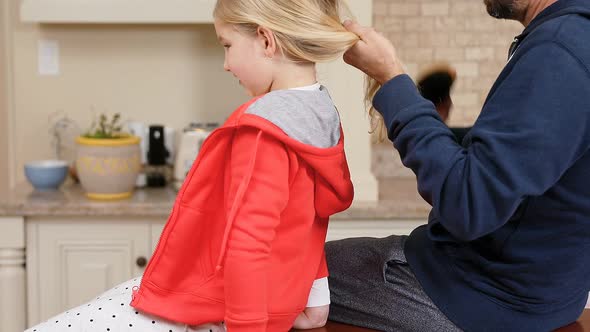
[156,170]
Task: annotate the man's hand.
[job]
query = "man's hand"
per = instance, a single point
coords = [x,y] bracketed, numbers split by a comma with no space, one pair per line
[373,54]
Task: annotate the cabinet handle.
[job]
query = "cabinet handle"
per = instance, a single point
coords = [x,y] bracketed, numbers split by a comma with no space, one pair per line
[141,261]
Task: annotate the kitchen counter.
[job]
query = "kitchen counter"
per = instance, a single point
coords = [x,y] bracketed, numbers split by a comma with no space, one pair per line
[157,202]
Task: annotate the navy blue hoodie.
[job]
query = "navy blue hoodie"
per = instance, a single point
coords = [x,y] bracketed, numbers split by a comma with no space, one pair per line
[507,244]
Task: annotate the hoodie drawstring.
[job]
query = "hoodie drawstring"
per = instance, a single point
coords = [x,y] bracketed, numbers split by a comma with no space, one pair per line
[236,203]
[134,292]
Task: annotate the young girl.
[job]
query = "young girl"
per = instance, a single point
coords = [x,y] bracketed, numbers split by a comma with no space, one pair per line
[244,242]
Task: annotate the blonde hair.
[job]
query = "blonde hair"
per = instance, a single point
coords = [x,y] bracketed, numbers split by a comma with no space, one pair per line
[378,128]
[305,30]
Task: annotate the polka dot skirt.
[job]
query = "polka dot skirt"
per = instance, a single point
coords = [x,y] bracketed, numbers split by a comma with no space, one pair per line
[111,312]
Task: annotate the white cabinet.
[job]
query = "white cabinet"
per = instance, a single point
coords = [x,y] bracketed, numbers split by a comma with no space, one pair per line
[12,274]
[157,229]
[69,261]
[117,11]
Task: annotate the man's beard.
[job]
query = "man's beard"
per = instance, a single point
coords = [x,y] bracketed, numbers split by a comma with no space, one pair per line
[503,9]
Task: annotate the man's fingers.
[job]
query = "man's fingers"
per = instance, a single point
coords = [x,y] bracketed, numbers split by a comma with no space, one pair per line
[355,28]
[348,23]
[354,56]
[347,58]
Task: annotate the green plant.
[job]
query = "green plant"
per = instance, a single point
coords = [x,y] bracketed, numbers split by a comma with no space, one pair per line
[106,128]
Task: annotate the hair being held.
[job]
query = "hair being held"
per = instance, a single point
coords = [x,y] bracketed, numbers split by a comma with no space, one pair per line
[378,127]
[306,31]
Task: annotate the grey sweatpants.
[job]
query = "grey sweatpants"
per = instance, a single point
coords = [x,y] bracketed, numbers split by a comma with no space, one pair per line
[372,286]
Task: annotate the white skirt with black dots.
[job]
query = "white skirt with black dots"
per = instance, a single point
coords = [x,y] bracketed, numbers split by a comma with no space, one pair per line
[111,312]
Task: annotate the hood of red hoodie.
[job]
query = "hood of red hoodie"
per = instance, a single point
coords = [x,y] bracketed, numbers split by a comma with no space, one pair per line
[333,187]
[308,123]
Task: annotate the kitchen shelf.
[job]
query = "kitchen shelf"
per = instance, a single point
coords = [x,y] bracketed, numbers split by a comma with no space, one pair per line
[118,11]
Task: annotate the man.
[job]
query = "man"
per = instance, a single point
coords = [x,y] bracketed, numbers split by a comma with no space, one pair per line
[435,84]
[507,244]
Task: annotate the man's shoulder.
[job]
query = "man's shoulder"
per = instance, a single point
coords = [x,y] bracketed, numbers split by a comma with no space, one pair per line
[573,35]
[569,32]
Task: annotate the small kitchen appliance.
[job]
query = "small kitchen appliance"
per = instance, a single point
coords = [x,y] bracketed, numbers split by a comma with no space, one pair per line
[156,157]
[190,144]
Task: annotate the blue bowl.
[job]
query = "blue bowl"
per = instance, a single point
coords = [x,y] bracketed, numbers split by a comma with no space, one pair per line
[46,174]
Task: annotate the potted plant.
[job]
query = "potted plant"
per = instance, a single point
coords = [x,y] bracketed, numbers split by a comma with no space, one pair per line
[108,160]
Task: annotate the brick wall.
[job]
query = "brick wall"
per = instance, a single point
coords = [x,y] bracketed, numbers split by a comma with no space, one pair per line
[459,32]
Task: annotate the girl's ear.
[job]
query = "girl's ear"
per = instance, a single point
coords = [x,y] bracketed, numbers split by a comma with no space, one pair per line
[267,38]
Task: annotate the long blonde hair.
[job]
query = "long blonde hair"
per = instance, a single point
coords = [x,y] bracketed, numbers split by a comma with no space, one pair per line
[378,128]
[305,30]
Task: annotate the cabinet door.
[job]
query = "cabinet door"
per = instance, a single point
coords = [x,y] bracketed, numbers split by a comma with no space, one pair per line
[72,261]
[157,228]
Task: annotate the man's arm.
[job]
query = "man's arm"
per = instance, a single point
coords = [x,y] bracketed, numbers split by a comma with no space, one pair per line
[532,129]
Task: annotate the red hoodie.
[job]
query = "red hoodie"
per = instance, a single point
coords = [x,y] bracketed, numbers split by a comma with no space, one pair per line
[244,241]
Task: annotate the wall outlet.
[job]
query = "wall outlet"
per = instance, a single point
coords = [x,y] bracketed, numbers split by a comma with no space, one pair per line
[48,53]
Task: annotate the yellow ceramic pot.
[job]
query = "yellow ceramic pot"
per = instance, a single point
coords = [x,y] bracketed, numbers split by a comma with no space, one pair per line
[108,167]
